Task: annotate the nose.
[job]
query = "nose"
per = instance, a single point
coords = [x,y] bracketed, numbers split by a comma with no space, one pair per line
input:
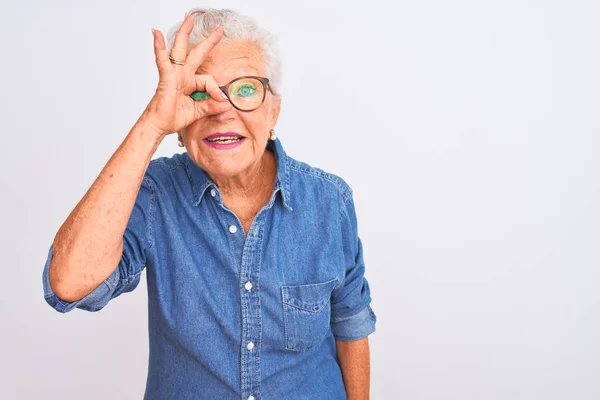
[224,116]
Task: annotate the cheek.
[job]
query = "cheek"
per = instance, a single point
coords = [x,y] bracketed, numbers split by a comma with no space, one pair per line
[257,124]
[195,128]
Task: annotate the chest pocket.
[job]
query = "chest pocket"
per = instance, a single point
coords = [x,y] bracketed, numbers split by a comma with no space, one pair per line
[306,314]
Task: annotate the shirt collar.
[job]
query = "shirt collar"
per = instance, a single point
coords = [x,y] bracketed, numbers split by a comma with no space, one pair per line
[201,181]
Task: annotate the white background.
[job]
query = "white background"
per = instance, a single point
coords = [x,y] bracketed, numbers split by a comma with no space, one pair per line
[468,131]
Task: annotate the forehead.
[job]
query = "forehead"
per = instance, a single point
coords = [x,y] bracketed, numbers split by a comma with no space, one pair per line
[231,59]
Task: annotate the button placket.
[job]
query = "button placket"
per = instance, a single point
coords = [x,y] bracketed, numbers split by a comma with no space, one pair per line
[251,321]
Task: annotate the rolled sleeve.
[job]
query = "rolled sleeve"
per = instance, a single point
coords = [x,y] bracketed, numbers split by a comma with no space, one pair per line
[354,327]
[352,317]
[94,301]
[137,240]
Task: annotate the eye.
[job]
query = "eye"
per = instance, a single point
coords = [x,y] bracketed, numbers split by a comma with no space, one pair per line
[245,90]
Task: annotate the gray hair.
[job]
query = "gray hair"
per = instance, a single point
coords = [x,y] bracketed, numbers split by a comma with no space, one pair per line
[235,27]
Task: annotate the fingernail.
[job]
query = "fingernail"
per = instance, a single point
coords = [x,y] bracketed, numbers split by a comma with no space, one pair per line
[216,27]
[223,95]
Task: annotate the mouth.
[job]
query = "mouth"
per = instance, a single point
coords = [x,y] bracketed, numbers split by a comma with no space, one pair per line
[224,138]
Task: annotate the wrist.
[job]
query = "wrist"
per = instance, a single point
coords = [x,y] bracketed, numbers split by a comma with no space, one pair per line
[145,125]
[148,132]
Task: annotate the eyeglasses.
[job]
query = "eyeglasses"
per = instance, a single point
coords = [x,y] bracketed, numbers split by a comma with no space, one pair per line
[245,93]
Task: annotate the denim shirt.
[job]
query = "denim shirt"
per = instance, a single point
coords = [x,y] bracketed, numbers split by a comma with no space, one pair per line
[241,315]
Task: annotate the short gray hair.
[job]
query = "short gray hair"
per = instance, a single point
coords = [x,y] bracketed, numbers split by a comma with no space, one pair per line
[235,27]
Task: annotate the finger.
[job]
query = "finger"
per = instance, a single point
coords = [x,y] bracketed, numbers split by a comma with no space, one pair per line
[160,53]
[207,83]
[179,50]
[198,54]
[210,107]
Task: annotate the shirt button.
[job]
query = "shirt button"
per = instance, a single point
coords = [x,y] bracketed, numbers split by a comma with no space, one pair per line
[233,229]
[250,346]
[251,398]
[213,192]
[248,285]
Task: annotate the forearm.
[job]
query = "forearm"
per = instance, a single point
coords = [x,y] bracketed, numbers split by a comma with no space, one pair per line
[354,361]
[89,244]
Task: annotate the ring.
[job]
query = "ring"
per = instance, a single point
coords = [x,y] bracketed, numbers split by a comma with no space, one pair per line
[178,62]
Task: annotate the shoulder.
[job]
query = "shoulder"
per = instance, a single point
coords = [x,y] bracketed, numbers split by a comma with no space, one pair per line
[312,177]
[166,168]
[167,174]
[167,164]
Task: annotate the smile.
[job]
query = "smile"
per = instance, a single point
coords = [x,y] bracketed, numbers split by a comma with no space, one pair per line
[225,139]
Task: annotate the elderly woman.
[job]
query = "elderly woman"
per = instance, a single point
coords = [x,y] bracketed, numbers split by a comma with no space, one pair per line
[255,270]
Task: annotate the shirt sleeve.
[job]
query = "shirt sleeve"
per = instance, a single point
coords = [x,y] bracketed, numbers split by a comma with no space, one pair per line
[352,317]
[126,276]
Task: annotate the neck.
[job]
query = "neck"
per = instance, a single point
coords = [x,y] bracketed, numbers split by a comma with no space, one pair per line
[252,181]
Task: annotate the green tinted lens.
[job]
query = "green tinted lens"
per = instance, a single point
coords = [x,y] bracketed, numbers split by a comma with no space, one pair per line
[246,93]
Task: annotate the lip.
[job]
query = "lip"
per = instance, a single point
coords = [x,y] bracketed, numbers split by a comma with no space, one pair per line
[222,146]
[218,134]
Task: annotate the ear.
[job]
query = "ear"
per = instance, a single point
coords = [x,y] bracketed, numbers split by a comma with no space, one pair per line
[275,109]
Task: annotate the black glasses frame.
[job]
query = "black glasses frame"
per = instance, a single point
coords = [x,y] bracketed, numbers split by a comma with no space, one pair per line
[199,95]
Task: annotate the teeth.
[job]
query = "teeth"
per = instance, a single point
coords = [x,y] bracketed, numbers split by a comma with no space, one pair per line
[226,140]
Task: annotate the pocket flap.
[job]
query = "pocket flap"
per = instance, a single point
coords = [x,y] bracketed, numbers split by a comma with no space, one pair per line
[309,297]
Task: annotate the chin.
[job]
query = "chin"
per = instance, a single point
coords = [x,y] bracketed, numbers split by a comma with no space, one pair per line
[228,167]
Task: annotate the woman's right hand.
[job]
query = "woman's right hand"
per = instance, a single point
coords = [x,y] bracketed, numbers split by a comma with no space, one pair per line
[171,108]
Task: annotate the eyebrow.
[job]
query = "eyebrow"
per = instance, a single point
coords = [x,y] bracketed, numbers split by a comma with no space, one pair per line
[203,71]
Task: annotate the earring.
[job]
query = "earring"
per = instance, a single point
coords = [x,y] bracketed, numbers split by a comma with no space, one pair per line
[179,141]
[273,136]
